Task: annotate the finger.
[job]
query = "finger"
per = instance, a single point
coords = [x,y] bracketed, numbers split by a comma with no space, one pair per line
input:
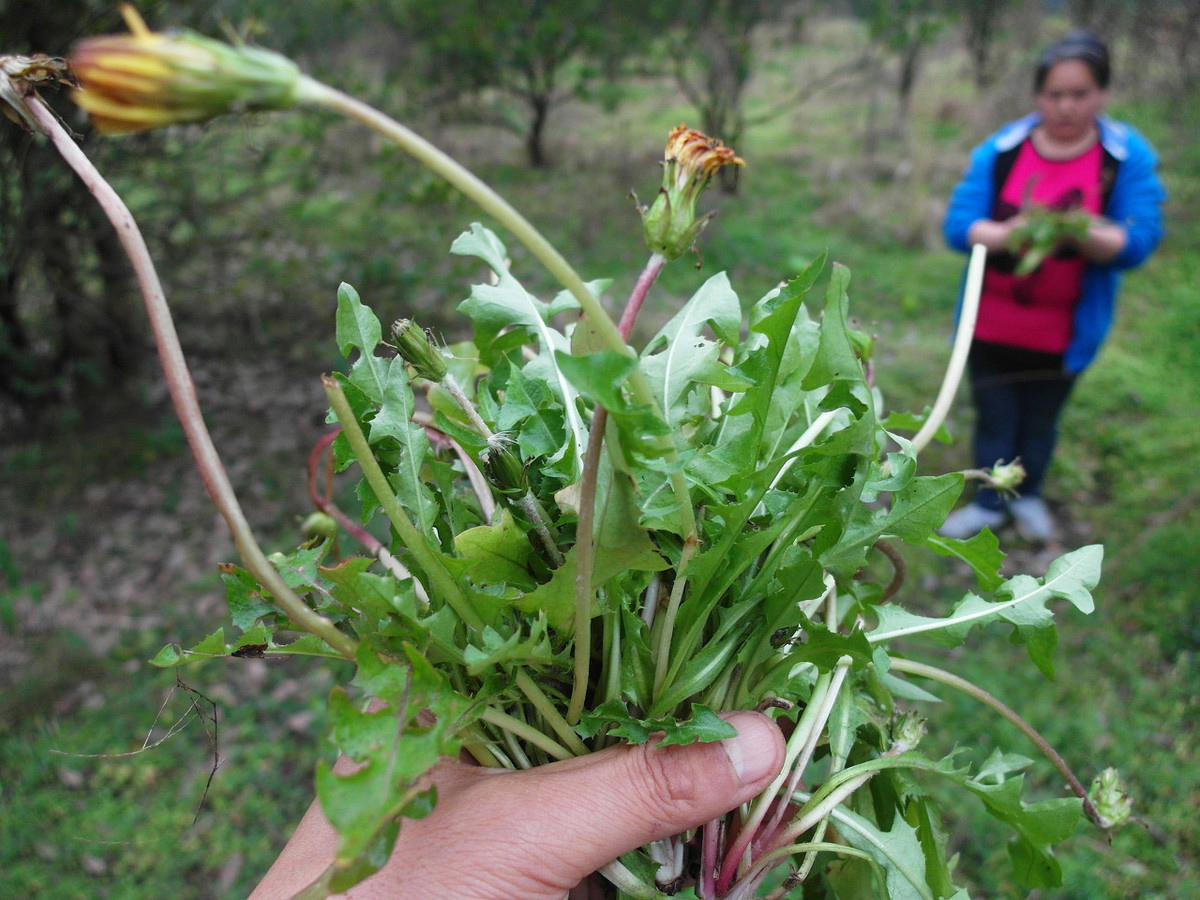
[537,833]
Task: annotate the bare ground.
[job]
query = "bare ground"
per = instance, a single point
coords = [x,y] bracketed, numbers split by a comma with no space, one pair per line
[108,531]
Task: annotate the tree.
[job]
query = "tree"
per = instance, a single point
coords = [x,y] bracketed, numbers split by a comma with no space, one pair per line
[905,29]
[540,52]
[67,306]
[982,25]
[710,45]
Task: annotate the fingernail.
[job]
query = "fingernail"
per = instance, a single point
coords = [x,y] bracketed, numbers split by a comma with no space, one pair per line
[756,752]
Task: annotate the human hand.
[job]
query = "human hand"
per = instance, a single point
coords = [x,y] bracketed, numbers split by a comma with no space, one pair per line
[535,835]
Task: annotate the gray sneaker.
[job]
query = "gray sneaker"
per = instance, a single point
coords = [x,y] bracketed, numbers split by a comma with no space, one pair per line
[1033,519]
[970,520]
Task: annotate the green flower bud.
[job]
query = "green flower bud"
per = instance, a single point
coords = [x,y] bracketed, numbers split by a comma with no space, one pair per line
[416,348]
[862,342]
[319,526]
[1005,478]
[1111,799]
[691,160]
[503,467]
[907,731]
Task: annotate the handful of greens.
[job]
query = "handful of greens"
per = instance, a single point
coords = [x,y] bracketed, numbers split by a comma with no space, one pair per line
[754,586]
[1043,232]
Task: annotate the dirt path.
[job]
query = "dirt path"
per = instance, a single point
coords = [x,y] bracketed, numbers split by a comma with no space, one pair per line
[107,529]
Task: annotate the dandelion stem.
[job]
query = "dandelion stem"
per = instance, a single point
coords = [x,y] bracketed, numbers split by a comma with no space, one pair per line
[447,588]
[318,94]
[183,390]
[641,288]
[585,560]
[1010,715]
[525,732]
[958,354]
[553,718]
[315,93]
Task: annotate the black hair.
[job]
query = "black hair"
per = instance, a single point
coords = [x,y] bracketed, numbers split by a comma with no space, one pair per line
[1081,45]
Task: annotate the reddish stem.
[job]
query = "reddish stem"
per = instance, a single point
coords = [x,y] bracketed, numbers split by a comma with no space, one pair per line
[633,306]
[323,500]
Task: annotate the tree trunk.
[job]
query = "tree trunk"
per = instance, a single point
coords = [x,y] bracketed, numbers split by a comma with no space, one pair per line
[535,149]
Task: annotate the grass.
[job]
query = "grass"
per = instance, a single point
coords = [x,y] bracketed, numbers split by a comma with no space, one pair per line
[92,814]
[97,824]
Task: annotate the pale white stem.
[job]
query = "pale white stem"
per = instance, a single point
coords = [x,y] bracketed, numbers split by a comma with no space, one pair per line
[962,346]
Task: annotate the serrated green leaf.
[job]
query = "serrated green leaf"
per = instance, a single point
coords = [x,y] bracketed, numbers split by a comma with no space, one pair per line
[680,357]
[898,851]
[703,725]
[981,552]
[555,599]
[515,649]
[359,329]
[533,413]
[824,648]
[1022,603]
[394,421]
[696,674]
[1073,575]
[1039,827]
[212,645]
[507,305]
[836,359]
[922,506]
[923,815]
[362,591]
[305,645]
[168,657]
[760,359]
[600,376]
[501,552]
[244,597]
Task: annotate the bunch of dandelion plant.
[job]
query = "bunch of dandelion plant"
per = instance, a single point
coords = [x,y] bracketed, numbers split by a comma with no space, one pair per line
[586,542]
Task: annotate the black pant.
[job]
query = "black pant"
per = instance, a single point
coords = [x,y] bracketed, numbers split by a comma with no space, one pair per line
[1018,396]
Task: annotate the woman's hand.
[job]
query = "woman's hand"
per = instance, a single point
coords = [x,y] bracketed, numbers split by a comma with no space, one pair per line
[536,834]
[1105,240]
[994,235]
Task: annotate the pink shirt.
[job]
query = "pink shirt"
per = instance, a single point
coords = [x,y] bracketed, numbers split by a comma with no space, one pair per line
[1036,312]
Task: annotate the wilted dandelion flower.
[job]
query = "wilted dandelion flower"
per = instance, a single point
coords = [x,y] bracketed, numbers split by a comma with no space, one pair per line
[20,76]
[143,80]
[690,161]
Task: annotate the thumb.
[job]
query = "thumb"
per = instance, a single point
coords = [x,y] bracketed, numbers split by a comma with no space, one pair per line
[565,820]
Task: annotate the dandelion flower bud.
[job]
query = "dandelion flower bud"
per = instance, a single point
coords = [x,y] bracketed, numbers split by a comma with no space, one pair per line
[691,160]
[503,467]
[907,731]
[415,348]
[319,526]
[1111,799]
[1006,477]
[144,80]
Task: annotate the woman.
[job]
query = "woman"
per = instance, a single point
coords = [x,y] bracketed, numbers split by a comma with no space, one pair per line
[1036,332]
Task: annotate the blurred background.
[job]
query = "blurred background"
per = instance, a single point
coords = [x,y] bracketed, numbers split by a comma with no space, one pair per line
[855,119]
